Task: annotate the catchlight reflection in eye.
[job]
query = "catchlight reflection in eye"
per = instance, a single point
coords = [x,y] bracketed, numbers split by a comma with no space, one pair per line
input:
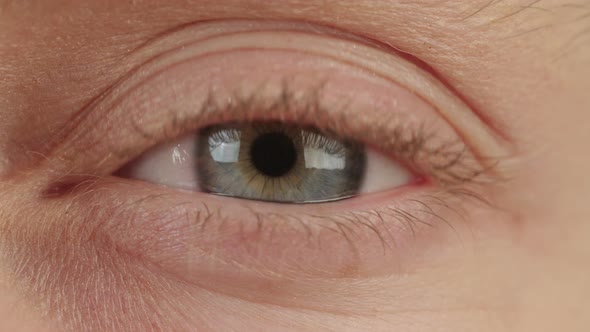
[272,162]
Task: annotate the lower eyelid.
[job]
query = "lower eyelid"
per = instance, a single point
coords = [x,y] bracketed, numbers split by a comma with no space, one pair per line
[195,235]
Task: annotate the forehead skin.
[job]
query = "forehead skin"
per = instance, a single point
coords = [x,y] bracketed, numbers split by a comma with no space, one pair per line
[522,65]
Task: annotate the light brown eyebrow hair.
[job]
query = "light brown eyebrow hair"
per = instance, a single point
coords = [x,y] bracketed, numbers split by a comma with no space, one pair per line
[532,4]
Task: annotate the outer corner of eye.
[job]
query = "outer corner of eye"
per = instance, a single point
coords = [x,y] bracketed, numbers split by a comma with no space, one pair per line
[384,173]
[272,162]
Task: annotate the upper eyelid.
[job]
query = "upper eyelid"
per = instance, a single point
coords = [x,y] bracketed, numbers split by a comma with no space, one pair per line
[492,133]
[168,40]
[398,70]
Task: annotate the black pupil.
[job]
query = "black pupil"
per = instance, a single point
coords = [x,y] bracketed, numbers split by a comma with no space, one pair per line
[273,154]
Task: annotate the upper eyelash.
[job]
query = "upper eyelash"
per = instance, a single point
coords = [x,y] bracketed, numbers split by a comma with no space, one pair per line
[329,144]
[448,162]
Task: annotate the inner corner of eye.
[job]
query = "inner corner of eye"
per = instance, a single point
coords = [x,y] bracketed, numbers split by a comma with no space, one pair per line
[170,164]
[270,161]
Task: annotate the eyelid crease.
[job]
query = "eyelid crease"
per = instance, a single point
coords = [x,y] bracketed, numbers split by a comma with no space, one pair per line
[161,46]
[166,41]
[411,75]
[160,41]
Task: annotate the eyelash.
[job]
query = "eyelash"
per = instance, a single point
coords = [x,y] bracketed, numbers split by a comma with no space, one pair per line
[372,220]
[446,162]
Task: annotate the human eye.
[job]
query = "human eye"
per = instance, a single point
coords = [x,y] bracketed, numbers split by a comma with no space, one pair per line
[205,155]
[272,162]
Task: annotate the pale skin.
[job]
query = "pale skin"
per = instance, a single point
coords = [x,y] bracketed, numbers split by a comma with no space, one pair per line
[515,82]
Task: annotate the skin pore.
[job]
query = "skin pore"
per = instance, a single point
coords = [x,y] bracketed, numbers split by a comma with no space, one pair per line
[88,86]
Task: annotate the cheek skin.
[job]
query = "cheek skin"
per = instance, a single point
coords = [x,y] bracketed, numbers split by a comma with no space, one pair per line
[76,274]
[79,283]
[16,315]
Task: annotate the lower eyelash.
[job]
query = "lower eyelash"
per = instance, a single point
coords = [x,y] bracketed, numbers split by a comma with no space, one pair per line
[375,220]
[157,220]
[354,226]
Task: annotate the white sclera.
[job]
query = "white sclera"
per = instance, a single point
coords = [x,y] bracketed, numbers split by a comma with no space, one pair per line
[383,173]
[171,164]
